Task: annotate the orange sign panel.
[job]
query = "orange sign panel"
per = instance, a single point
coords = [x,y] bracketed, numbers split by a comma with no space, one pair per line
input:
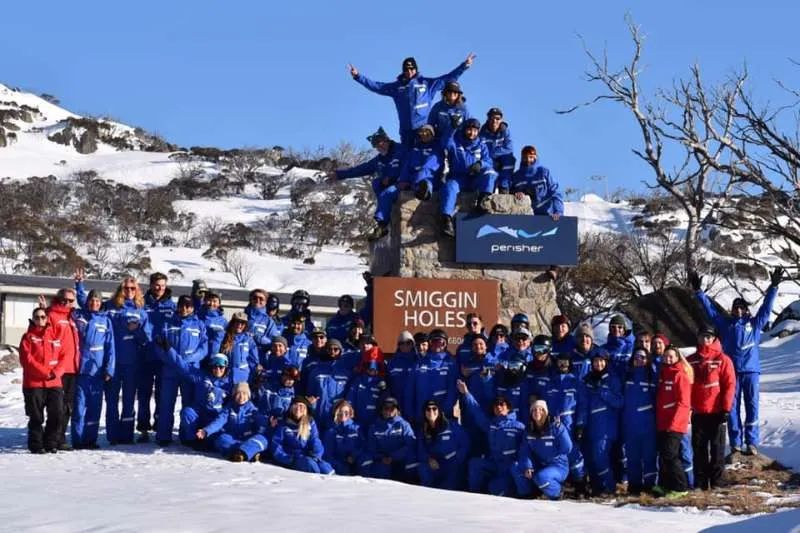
[426,304]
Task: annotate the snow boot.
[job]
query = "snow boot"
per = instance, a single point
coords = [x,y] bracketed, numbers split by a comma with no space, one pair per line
[448,229]
[143,437]
[750,449]
[479,208]
[380,230]
[237,457]
[423,192]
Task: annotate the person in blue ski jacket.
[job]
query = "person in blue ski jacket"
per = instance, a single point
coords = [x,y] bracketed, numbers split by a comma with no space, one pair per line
[327,383]
[296,444]
[270,367]
[619,344]
[351,347]
[300,305]
[259,324]
[400,368]
[390,445]
[563,341]
[564,396]
[442,448]
[236,430]
[344,441]
[599,415]
[639,422]
[498,340]
[132,333]
[423,168]
[413,94]
[434,378]
[542,465]
[239,346]
[470,170]
[585,349]
[298,343]
[317,351]
[492,472]
[273,308]
[160,307]
[497,136]
[212,387]
[479,374]
[184,334]
[338,327]
[534,180]
[474,325]
[386,167]
[449,113]
[740,335]
[520,347]
[212,315]
[366,391]
[539,372]
[274,401]
[95,368]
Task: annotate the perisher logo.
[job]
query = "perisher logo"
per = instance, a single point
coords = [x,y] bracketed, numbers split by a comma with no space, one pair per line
[488,229]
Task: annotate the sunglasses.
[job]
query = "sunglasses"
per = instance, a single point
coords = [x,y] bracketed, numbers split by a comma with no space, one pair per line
[434,409]
[218,366]
[129,288]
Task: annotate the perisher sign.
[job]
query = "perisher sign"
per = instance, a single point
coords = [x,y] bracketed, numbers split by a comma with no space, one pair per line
[426,304]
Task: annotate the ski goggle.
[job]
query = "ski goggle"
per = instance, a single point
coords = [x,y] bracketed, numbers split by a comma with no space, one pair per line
[541,348]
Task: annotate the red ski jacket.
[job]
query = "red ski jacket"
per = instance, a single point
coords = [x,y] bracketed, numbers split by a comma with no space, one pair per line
[60,318]
[40,357]
[714,380]
[673,399]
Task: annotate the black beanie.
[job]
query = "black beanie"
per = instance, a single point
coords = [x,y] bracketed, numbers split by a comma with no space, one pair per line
[409,62]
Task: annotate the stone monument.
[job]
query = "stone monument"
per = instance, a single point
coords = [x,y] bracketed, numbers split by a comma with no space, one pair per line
[414,249]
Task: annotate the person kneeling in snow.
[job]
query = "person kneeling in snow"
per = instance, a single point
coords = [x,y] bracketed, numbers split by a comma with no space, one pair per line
[296,443]
[442,449]
[390,444]
[505,433]
[386,166]
[344,441]
[542,462]
[241,425]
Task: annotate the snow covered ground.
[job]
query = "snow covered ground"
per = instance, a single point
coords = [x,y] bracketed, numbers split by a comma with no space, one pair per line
[141,487]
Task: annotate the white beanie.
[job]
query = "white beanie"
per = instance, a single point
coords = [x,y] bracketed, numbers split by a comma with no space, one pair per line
[539,403]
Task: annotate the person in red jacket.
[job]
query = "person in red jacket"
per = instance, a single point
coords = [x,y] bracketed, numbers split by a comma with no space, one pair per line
[673,407]
[712,399]
[42,369]
[59,315]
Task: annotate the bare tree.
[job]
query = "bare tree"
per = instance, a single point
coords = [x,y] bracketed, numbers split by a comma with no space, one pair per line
[240,266]
[679,125]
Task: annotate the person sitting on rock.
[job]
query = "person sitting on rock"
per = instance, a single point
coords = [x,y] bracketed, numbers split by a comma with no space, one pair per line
[497,136]
[534,180]
[421,172]
[386,166]
[471,170]
[412,93]
[449,113]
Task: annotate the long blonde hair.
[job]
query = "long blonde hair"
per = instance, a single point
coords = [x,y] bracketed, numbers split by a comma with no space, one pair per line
[119,295]
[304,423]
[687,367]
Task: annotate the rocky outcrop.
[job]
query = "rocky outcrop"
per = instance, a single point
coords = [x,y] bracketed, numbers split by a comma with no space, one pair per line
[415,249]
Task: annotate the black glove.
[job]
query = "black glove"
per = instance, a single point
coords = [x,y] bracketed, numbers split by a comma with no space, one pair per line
[498,166]
[474,169]
[162,343]
[456,120]
[776,277]
[695,280]
[578,434]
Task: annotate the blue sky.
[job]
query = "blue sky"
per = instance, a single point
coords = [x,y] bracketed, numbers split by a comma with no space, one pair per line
[248,73]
